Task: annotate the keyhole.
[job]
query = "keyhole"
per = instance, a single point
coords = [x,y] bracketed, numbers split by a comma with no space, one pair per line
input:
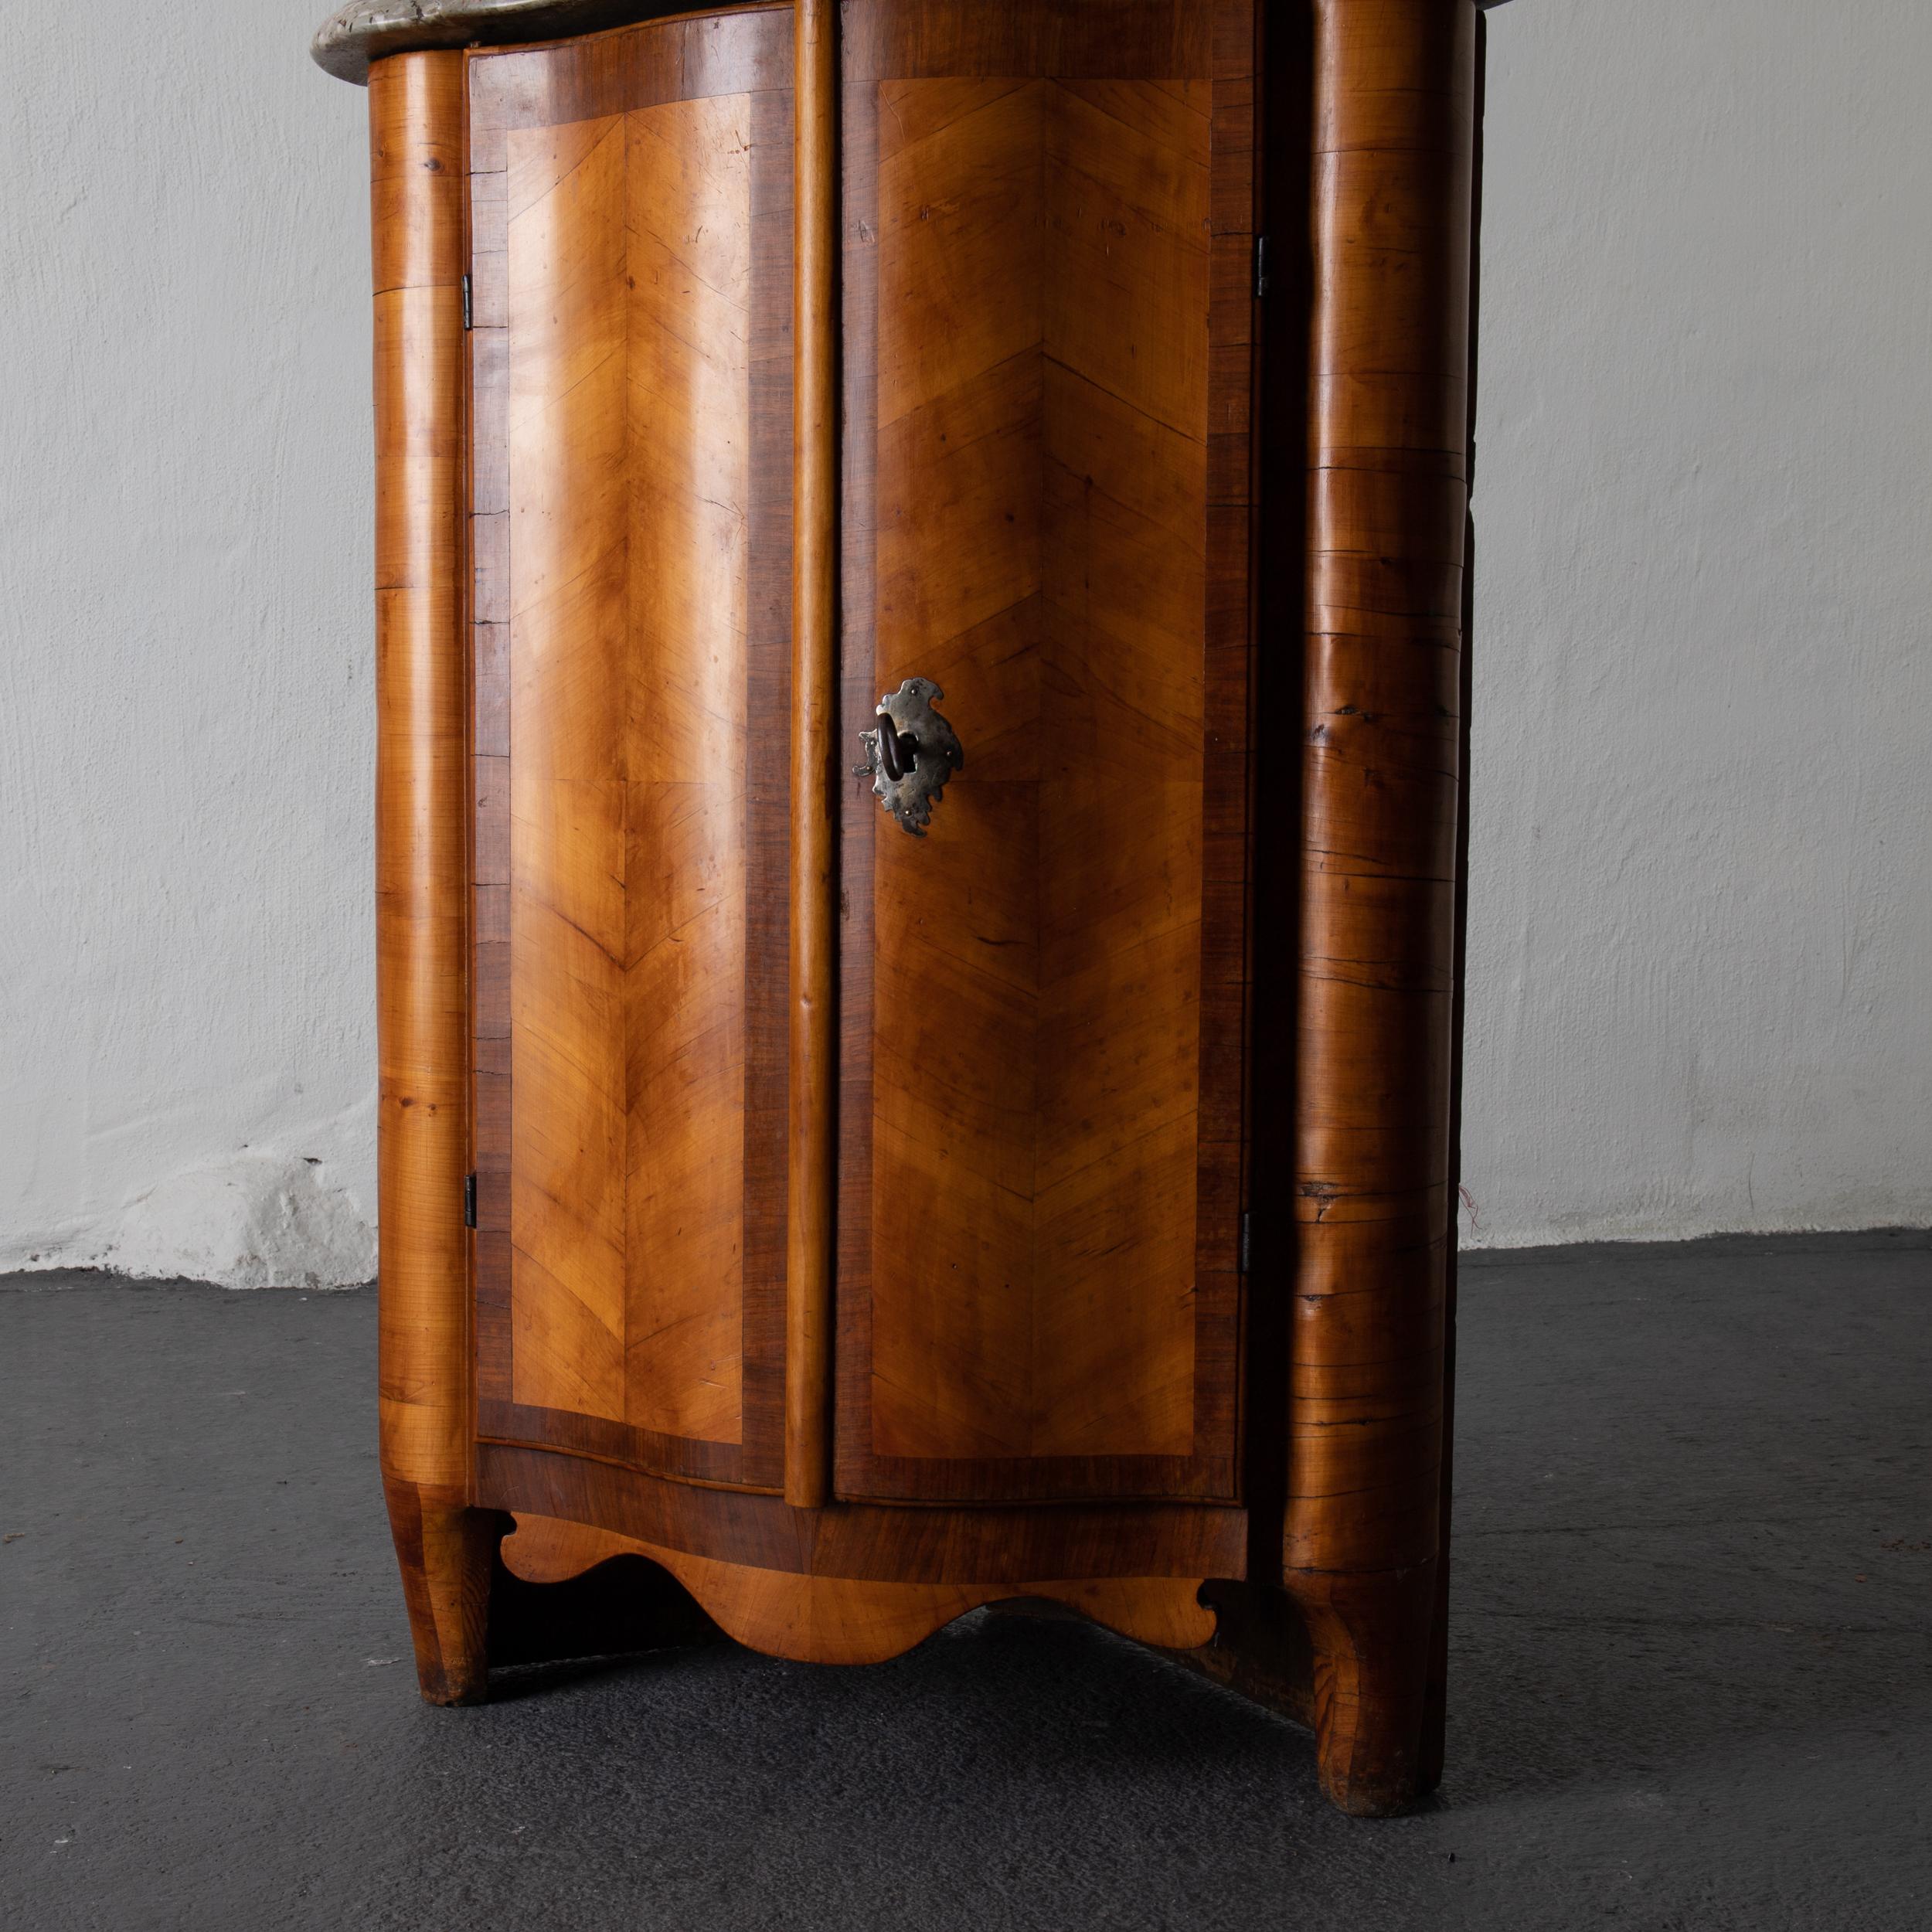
[897,754]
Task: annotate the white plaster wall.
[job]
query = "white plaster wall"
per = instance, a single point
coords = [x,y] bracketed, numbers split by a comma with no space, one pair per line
[1700,953]
[1701,908]
[186,1015]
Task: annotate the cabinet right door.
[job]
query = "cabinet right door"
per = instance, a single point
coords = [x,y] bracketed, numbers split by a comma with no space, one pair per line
[1049,307]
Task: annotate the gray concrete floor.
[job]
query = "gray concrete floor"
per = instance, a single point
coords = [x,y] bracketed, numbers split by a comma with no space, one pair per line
[1692,1683]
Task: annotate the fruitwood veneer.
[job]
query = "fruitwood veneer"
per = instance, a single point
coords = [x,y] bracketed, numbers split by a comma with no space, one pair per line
[1041,1111]
[860,1228]
[815,769]
[1387,502]
[417,145]
[633,212]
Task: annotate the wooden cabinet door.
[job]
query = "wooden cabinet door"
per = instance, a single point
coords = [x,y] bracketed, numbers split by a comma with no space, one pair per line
[632,231]
[1048,304]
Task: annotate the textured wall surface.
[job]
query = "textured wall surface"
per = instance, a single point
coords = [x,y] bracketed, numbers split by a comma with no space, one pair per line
[1700,954]
[1702,909]
[186,993]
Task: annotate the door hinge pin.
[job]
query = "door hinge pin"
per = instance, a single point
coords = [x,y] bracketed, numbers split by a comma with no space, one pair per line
[469,1200]
[1261,267]
[1247,1242]
[468,314]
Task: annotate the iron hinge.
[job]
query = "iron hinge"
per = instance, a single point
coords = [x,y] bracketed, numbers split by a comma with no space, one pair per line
[469,1200]
[1261,267]
[468,313]
[1247,1242]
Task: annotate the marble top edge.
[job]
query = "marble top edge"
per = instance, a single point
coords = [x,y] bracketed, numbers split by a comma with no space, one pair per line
[366,30]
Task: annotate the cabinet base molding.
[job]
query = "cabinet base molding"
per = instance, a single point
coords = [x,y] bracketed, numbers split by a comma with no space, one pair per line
[1004,1550]
[846,1619]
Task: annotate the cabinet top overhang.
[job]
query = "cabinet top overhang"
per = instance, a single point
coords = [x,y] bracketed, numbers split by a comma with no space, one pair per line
[366,30]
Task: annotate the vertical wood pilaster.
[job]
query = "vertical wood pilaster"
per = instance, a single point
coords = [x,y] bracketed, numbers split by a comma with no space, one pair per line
[1387,498]
[813,1181]
[416,153]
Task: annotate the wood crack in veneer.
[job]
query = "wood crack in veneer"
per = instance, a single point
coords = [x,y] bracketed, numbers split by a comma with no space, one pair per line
[1053,1206]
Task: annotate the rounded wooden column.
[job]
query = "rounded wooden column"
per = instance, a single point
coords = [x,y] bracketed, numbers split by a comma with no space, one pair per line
[812,1169]
[416,160]
[1387,500]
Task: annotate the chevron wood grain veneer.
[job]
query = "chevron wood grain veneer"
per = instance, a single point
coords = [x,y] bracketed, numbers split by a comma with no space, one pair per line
[920,565]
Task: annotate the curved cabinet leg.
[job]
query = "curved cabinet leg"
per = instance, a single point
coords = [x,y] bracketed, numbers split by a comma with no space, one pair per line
[1371,1638]
[443,1548]
[1352,1658]
[422,922]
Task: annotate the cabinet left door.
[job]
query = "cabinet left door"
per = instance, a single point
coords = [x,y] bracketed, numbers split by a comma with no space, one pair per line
[631,238]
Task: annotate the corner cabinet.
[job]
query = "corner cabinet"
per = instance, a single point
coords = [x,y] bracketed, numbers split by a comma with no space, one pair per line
[918,603]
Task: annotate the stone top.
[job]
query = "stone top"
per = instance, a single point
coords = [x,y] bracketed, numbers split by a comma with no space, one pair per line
[365,30]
